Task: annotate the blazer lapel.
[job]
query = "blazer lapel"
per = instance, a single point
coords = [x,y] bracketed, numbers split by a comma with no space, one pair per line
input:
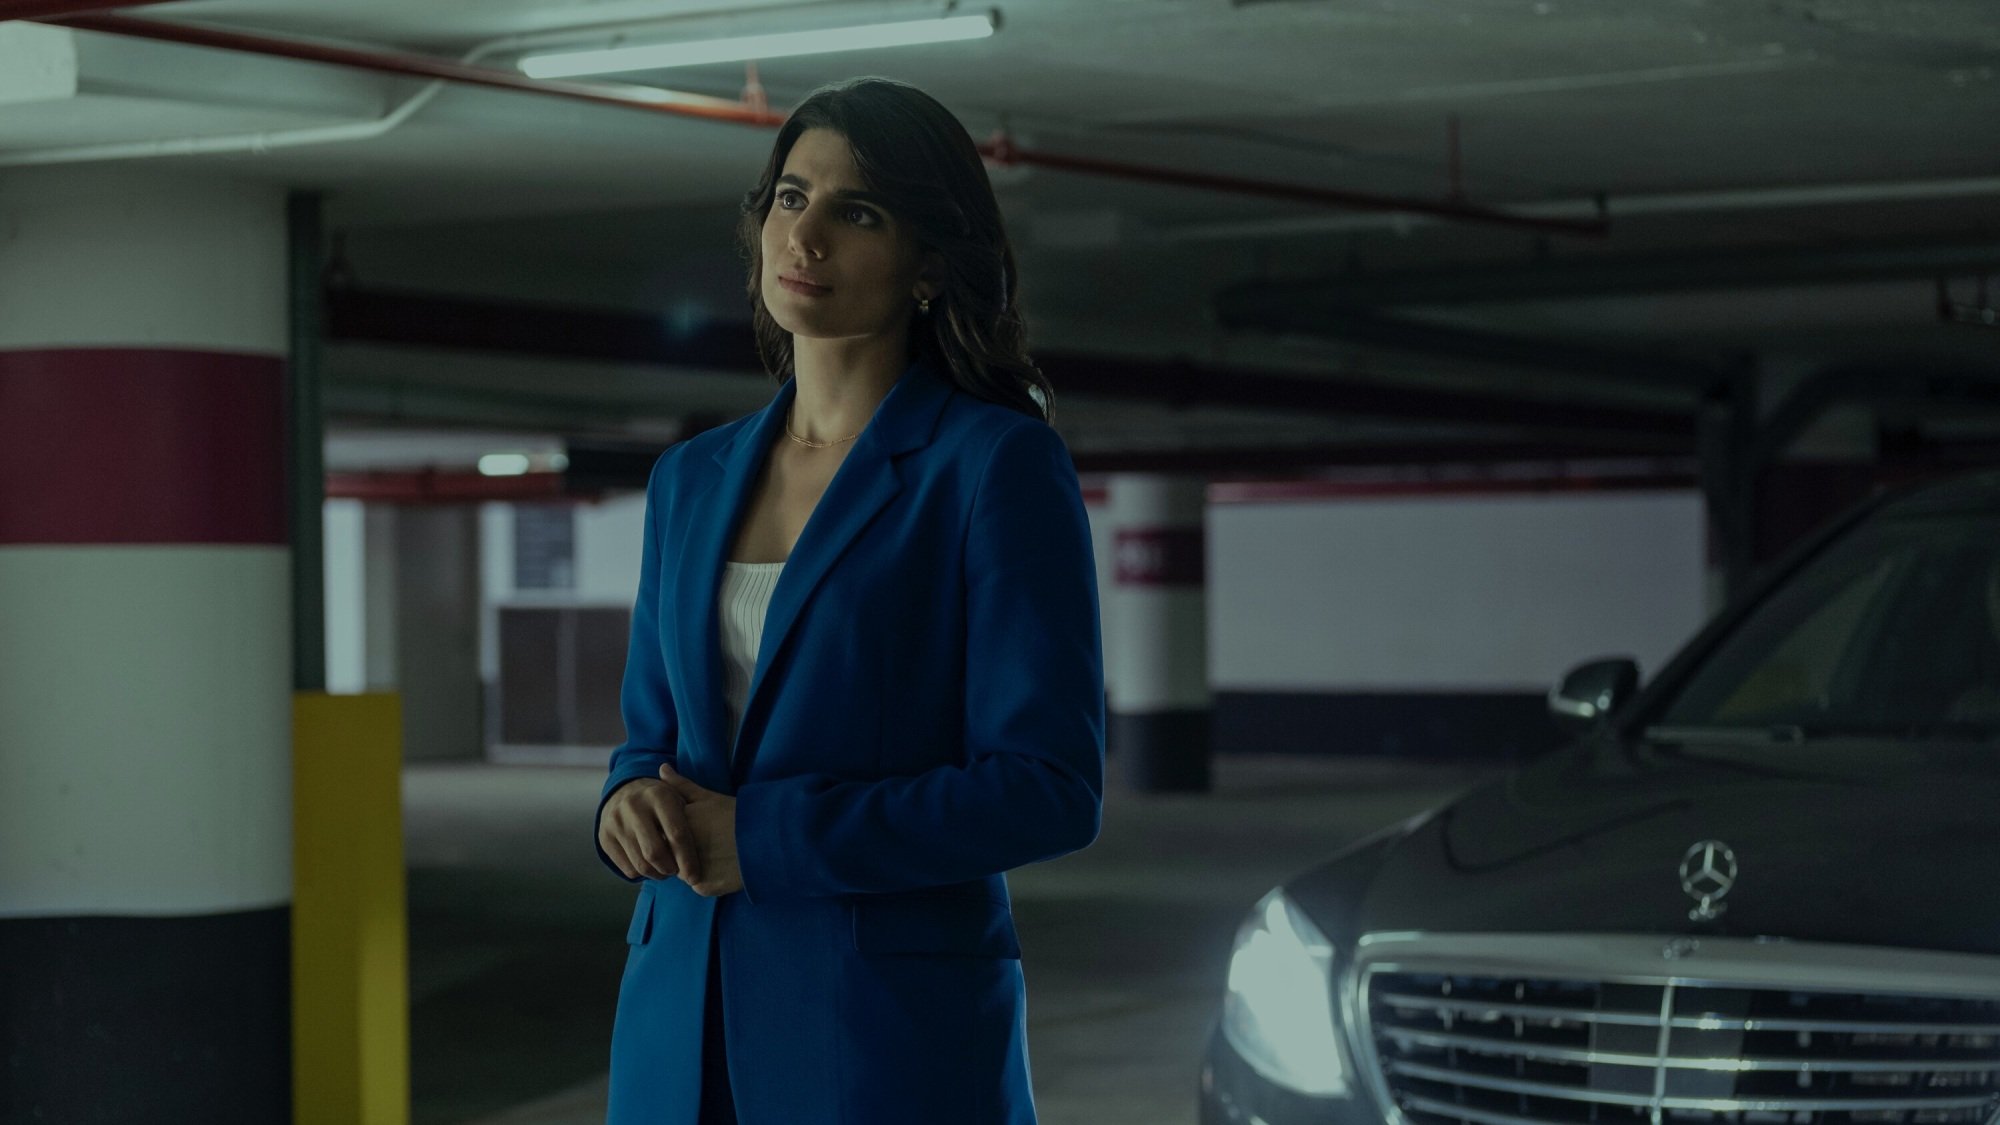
[868,478]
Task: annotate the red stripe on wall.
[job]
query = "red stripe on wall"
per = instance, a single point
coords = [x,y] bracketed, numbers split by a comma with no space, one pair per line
[1279,491]
[440,486]
[141,445]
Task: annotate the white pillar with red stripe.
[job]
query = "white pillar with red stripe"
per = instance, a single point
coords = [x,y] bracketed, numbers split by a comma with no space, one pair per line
[145,648]
[1156,644]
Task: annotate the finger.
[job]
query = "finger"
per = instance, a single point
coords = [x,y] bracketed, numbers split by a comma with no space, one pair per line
[648,848]
[611,832]
[615,848]
[655,856]
[645,861]
[680,835]
[680,783]
[618,843]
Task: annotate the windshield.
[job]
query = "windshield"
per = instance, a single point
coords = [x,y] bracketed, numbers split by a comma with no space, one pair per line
[1893,630]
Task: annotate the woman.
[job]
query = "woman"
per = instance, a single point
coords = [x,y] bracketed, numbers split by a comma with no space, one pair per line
[865,675]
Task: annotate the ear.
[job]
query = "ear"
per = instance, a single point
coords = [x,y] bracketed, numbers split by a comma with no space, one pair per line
[930,276]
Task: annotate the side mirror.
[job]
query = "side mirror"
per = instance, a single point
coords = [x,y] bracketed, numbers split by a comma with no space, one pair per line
[1591,691]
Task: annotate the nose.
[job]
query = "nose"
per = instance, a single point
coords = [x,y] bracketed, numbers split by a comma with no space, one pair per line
[803,236]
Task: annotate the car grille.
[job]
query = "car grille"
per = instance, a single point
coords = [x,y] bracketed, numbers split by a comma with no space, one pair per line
[1541,1050]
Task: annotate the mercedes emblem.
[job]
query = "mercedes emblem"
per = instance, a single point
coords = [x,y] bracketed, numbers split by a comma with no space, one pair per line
[1708,870]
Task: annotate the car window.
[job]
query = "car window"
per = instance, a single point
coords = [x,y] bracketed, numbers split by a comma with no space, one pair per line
[1797,674]
[1896,627]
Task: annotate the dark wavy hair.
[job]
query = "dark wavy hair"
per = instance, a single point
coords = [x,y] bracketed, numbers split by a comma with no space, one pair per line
[912,150]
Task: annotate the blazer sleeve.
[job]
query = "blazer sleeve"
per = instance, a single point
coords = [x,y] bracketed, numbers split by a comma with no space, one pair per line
[644,698]
[1031,786]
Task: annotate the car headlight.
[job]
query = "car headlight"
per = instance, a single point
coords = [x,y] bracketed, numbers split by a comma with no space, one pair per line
[1278,1013]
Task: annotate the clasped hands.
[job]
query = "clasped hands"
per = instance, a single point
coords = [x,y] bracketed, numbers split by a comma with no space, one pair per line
[673,828]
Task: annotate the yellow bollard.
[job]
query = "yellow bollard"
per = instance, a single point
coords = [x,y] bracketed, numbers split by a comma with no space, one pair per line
[350,933]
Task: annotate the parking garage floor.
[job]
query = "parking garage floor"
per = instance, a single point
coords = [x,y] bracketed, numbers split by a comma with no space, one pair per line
[517,933]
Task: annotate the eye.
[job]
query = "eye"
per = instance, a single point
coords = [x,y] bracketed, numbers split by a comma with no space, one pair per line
[867,218]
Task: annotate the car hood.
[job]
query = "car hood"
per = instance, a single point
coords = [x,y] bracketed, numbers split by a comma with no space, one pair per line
[1851,842]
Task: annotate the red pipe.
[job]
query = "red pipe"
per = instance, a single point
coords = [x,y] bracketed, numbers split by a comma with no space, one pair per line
[426,66]
[1000,148]
[1003,151]
[48,10]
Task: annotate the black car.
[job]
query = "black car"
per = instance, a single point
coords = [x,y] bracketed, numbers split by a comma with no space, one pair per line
[1763,890]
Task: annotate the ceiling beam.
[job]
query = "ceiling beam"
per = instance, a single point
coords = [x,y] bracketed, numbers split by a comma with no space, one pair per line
[619,335]
[1000,148]
[1282,308]
[1565,279]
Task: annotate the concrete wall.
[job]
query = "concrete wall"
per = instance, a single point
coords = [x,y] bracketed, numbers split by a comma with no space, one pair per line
[1446,593]
[1437,605]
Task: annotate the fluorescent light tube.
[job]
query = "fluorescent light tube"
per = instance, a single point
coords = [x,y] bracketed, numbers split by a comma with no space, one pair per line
[907,33]
[503,464]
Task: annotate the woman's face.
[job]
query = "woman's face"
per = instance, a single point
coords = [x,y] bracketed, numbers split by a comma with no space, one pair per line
[867,263]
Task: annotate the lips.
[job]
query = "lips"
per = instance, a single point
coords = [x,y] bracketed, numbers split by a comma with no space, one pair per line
[801,283]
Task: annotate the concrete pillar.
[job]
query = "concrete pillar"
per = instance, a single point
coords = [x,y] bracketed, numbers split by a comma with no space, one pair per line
[145,649]
[380,592]
[346,547]
[437,631]
[1725,436]
[403,615]
[1824,469]
[1156,642]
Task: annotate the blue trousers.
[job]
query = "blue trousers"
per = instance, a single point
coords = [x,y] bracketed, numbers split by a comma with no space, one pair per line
[718,1105]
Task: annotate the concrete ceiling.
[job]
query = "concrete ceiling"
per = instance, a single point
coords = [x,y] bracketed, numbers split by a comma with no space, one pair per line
[1710,127]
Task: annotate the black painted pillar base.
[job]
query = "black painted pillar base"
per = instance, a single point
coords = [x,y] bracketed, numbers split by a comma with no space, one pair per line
[110,1020]
[1162,751]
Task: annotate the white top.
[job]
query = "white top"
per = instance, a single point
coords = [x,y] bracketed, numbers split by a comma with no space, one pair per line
[746,592]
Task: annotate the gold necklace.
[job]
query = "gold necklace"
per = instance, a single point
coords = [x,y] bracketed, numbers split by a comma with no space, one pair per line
[814,444]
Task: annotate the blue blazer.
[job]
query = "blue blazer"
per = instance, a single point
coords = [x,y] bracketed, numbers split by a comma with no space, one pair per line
[927,712]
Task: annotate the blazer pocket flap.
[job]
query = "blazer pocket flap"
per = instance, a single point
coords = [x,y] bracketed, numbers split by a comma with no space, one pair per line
[642,917]
[970,924]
